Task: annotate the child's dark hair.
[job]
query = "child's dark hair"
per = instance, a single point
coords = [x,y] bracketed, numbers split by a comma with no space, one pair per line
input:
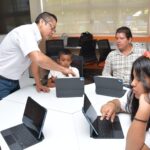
[125,30]
[65,52]
[141,67]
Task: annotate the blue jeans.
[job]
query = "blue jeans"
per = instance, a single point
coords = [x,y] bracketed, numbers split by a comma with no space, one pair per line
[8,86]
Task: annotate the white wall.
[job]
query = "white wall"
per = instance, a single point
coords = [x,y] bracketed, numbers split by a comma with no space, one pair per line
[35,8]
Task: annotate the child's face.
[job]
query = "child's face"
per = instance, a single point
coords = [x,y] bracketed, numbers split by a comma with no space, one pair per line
[65,60]
[137,86]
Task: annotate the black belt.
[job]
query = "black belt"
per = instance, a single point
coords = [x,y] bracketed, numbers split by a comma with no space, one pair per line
[4,78]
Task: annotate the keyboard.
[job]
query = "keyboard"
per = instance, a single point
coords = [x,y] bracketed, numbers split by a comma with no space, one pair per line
[105,128]
[23,136]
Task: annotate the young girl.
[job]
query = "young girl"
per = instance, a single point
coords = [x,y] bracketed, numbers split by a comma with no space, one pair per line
[137,104]
[65,60]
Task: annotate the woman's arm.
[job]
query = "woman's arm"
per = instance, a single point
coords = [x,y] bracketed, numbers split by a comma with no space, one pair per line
[136,133]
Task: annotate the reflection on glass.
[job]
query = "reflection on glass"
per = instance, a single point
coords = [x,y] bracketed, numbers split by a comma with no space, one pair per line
[99,16]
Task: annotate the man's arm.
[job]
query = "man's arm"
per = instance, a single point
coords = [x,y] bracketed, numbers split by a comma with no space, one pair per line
[36,75]
[47,63]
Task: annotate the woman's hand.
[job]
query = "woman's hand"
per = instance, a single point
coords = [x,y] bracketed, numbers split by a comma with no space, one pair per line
[108,111]
[40,87]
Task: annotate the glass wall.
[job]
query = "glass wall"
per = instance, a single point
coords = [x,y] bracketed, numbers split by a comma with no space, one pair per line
[13,13]
[100,16]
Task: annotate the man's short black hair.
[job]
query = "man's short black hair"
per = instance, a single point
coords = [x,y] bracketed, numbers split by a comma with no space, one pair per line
[46,16]
[125,30]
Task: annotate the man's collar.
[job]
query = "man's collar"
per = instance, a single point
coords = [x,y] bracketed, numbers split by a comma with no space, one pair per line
[132,50]
[37,32]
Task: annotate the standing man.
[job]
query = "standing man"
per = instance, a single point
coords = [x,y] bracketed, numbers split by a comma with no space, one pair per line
[20,49]
[119,62]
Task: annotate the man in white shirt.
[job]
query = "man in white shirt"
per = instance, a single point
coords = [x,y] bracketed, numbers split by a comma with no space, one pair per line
[20,49]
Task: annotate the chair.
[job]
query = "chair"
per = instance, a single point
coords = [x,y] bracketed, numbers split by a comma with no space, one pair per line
[90,66]
[77,61]
[54,46]
[104,49]
[88,51]
[73,42]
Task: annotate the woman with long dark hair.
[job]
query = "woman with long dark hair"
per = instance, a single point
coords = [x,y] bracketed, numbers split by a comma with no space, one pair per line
[137,104]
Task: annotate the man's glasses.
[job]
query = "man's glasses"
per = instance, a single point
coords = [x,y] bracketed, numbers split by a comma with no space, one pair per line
[50,25]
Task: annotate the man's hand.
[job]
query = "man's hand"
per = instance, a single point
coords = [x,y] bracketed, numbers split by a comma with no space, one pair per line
[42,88]
[68,71]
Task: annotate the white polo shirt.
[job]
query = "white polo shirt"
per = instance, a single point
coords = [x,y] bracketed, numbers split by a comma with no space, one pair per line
[14,50]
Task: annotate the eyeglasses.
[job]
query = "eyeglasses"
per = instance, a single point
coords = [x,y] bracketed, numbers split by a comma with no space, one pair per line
[50,25]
